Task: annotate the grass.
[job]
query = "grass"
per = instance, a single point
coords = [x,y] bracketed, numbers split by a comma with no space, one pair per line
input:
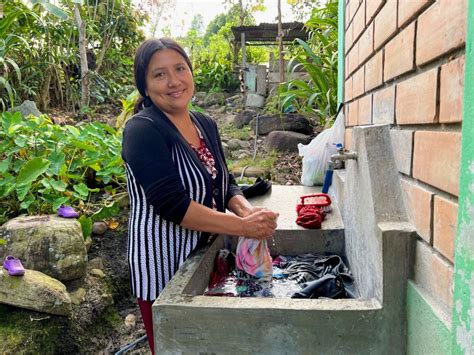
[244,134]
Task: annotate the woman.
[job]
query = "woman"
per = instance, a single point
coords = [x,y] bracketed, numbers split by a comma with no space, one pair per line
[177,177]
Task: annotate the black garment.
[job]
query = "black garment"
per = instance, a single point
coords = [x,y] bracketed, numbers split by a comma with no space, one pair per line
[163,175]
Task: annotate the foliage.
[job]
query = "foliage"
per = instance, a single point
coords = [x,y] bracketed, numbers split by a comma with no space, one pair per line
[318,57]
[39,40]
[244,133]
[214,54]
[44,165]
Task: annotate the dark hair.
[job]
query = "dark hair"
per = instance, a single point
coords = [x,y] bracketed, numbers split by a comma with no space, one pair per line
[142,59]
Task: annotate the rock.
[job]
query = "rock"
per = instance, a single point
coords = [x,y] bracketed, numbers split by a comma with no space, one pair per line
[243,118]
[285,122]
[35,290]
[228,119]
[283,141]
[27,108]
[123,201]
[130,320]
[251,171]
[50,244]
[200,95]
[214,99]
[243,155]
[96,263]
[226,149]
[236,144]
[88,243]
[99,228]
[78,296]
[97,273]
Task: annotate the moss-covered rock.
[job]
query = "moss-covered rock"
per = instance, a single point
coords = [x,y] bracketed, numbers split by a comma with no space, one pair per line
[50,244]
[35,290]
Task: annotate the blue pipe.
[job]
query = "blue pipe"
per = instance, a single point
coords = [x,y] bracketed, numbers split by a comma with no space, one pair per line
[327,180]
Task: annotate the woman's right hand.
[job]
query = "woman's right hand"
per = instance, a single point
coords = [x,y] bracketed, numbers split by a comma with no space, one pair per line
[260,225]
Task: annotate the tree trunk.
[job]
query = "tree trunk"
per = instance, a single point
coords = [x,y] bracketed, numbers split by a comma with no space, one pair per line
[280,45]
[85,80]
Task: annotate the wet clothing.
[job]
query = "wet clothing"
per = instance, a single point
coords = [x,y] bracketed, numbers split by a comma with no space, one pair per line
[164,174]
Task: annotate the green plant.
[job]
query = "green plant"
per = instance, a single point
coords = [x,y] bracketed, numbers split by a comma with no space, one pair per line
[44,165]
[318,57]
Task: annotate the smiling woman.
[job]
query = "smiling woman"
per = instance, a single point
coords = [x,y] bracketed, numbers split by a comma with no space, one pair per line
[177,177]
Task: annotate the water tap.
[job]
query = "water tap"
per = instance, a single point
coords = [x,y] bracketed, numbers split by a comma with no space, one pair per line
[341,156]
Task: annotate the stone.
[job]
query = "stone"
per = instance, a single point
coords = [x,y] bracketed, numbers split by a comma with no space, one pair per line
[214,98]
[88,243]
[97,273]
[282,141]
[251,171]
[130,320]
[255,100]
[123,201]
[284,122]
[99,228]
[236,144]
[244,117]
[36,291]
[226,149]
[199,98]
[243,155]
[96,263]
[48,243]
[78,296]
[27,108]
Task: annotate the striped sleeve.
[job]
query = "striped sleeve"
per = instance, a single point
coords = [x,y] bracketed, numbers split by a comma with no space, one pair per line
[150,159]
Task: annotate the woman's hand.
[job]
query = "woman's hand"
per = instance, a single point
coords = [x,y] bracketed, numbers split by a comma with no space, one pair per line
[260,224]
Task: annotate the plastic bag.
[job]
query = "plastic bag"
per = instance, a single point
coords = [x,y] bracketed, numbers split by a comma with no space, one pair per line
[317,153]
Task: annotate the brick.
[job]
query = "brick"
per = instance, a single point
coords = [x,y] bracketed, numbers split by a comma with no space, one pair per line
[348,138]
[365,110]
[435,276]
[351,118]
[384,106]
[416,99]
[366,43]
[374,72]
[353,7]
[385,23]
[436,158]
[451,91]
[348,40]
[348,89]
[407,9]
[418,206]
[359,21]
[445,226]
[402,145]
[371,9]
[353,58]
[358,82]
[399,53]
[441,28]
[347,19]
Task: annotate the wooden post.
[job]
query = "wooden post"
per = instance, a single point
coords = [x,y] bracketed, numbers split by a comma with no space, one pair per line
[85,85]
[280,45]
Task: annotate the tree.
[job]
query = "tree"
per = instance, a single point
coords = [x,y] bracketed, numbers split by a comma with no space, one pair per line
[85,81]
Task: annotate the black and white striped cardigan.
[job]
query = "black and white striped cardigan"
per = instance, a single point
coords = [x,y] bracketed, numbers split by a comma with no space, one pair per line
[163,175]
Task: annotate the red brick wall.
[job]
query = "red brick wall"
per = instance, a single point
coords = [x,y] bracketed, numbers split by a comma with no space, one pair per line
[404,66]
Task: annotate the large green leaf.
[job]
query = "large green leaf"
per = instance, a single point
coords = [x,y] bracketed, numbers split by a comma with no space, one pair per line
[86,224]
[31,170]
[81,189]
[22,190]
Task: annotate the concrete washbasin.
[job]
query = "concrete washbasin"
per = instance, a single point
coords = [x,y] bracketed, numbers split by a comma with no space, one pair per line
[374,243]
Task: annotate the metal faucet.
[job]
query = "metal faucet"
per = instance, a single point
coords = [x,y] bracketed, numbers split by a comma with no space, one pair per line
[341,156]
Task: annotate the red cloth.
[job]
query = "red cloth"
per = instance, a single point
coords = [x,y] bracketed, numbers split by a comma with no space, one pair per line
[145,310]
[310,217]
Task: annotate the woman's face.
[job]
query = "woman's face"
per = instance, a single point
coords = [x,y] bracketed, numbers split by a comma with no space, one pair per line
[169,81]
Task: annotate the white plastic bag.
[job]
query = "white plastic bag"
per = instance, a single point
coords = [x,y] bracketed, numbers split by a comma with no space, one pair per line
[317,153]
